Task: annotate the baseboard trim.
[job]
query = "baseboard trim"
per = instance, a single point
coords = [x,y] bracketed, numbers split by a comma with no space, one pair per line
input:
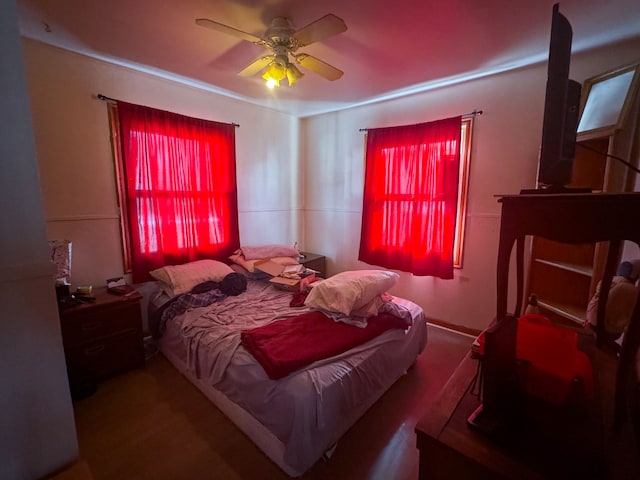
[471,332]
[79,470]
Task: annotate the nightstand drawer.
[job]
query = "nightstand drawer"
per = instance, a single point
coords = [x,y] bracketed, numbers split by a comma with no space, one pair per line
[105,357]
[98,322]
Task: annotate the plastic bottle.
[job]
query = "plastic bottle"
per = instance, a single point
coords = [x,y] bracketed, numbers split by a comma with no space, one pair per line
[532,305]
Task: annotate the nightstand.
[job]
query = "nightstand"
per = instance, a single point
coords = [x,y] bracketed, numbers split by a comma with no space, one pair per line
[101,339]
[315,262]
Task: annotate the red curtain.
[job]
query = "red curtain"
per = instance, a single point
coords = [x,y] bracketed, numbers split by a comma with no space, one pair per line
[410,197]
[180,188]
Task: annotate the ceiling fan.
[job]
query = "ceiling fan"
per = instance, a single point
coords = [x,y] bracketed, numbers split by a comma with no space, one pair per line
[284,40]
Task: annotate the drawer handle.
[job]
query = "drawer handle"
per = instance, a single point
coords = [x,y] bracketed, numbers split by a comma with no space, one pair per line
[90,326]
[94,350]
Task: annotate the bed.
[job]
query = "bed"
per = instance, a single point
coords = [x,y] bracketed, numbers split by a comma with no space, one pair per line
[295,411]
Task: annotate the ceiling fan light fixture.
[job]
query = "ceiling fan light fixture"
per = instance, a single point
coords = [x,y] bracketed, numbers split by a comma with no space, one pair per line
[271,83]
[293,74]
[284,40]
[275,72]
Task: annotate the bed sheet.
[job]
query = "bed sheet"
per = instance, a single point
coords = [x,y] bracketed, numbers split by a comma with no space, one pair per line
[308,410]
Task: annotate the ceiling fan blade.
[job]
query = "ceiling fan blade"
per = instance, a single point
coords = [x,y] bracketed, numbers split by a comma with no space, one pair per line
[256,66]
[322,28]
[318,66]
[219,27]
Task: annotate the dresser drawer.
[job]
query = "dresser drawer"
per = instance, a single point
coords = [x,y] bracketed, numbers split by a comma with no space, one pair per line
[99,322]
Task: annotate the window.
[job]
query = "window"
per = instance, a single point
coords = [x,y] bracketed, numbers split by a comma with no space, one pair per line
[415,197]
[177,187]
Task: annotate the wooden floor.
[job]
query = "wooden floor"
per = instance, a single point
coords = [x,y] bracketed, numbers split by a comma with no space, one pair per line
[152,424]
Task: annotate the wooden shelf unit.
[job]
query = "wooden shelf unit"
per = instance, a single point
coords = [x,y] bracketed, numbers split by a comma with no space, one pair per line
[562,276]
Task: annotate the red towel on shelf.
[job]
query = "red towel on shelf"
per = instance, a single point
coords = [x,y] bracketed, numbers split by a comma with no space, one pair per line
[553,358]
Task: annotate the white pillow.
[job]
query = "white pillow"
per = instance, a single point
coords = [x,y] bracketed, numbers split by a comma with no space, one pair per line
[182,278]
[349,291]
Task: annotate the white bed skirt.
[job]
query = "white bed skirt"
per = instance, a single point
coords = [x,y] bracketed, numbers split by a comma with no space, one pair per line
[258,433]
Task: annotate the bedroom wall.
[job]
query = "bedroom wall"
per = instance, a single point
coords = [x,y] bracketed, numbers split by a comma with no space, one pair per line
[77,174]
[504,156]
[37,428]
[316,201]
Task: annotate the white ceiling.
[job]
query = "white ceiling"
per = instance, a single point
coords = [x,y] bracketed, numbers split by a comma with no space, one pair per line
[391,47]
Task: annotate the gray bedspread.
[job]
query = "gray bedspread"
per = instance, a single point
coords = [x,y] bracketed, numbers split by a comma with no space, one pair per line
[309,409]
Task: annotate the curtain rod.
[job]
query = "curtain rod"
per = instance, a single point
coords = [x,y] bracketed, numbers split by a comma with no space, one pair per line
[113,100]
[105,98]
[466,115]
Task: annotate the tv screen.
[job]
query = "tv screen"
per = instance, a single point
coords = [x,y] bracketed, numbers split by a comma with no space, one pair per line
[561,109]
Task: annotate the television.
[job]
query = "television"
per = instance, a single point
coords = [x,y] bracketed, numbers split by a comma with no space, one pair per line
[561,110]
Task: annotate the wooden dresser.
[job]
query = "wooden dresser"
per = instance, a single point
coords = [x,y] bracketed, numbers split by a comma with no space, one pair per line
[552,443]
[101,339]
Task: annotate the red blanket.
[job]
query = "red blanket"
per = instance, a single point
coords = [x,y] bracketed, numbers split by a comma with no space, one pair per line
[287,345]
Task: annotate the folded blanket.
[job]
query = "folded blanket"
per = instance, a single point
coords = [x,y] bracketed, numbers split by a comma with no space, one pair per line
[266,251]
[287,345]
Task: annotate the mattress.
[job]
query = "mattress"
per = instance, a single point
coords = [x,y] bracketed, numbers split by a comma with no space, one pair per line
[297,419]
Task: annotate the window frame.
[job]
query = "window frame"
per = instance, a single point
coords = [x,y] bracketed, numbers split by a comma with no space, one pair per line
[116,144]
[463,189]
